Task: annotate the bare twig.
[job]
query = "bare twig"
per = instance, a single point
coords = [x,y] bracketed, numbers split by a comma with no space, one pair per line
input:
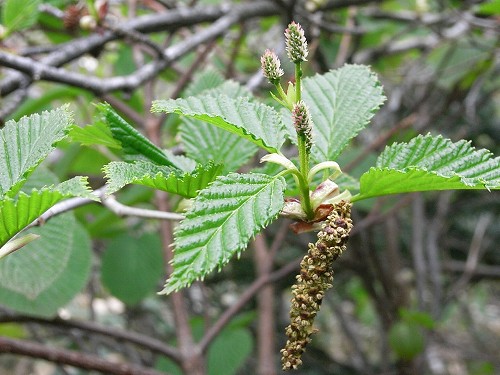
[191,358]
[474,255]
[360,361]
[249,293]
[433,253]
[123,210]
[72,358]
[132,337]
[417,247]
[62,207]
[265,302]
[481,270]
[46,68]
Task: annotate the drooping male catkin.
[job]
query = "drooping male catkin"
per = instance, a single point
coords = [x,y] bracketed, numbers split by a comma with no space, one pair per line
[316,276]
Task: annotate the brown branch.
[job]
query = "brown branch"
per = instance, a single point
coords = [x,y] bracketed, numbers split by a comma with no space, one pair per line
[481,270]
[221,16]
[147,342]
[419,224]
[474,255]
[249,293]
[265,304]
[72,358]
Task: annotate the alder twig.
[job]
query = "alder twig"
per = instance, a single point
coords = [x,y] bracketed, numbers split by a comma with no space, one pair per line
[122,210]
[474,255]
[136,338]
[249,293]
[47,68]
[72,358]
[265,304]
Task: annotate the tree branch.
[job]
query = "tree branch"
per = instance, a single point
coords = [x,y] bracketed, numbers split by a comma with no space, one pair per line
[72,358]
[249,293]
[132,337]
[168,21]
[122,210]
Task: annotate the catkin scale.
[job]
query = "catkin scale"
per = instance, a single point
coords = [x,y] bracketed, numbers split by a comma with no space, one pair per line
[316,276]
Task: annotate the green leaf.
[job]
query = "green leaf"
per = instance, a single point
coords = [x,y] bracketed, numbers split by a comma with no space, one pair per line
[24,144]
[19,14]
[182,162]
[223,218]
[341,102]
[17,214]
[236,344]
[430,163]
[133,142]
[420,318]
[205,80]
[406,340]
[126,256]
[257,123]
[186,184]
[97,133]
[489,8]
[47,273]
[204,142]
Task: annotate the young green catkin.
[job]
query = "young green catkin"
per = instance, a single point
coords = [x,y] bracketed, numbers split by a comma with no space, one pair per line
[316,276]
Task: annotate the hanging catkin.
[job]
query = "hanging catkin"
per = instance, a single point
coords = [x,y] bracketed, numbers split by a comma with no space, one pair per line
[316,276]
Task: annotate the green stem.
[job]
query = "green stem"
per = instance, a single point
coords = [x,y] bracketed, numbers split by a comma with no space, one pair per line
[298,78]
[304,171]
[303,153]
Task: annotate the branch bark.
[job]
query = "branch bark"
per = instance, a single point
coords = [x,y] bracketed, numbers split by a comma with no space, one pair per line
[72,358]
[265,302]
[48,69]
[132,337]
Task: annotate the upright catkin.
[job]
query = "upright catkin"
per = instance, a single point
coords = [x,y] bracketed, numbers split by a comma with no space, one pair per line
[316,276]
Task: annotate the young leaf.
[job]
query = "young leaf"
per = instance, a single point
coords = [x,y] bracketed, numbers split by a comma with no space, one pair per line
[430,163]
[97,133]
[186,184]
[257,123]
[204,142]
[223,218]
[341,102]
[24,144]
[133,142]
[17,214]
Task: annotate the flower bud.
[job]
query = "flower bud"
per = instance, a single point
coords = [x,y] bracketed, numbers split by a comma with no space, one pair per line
[302,121]
[296,43]
[271,66]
